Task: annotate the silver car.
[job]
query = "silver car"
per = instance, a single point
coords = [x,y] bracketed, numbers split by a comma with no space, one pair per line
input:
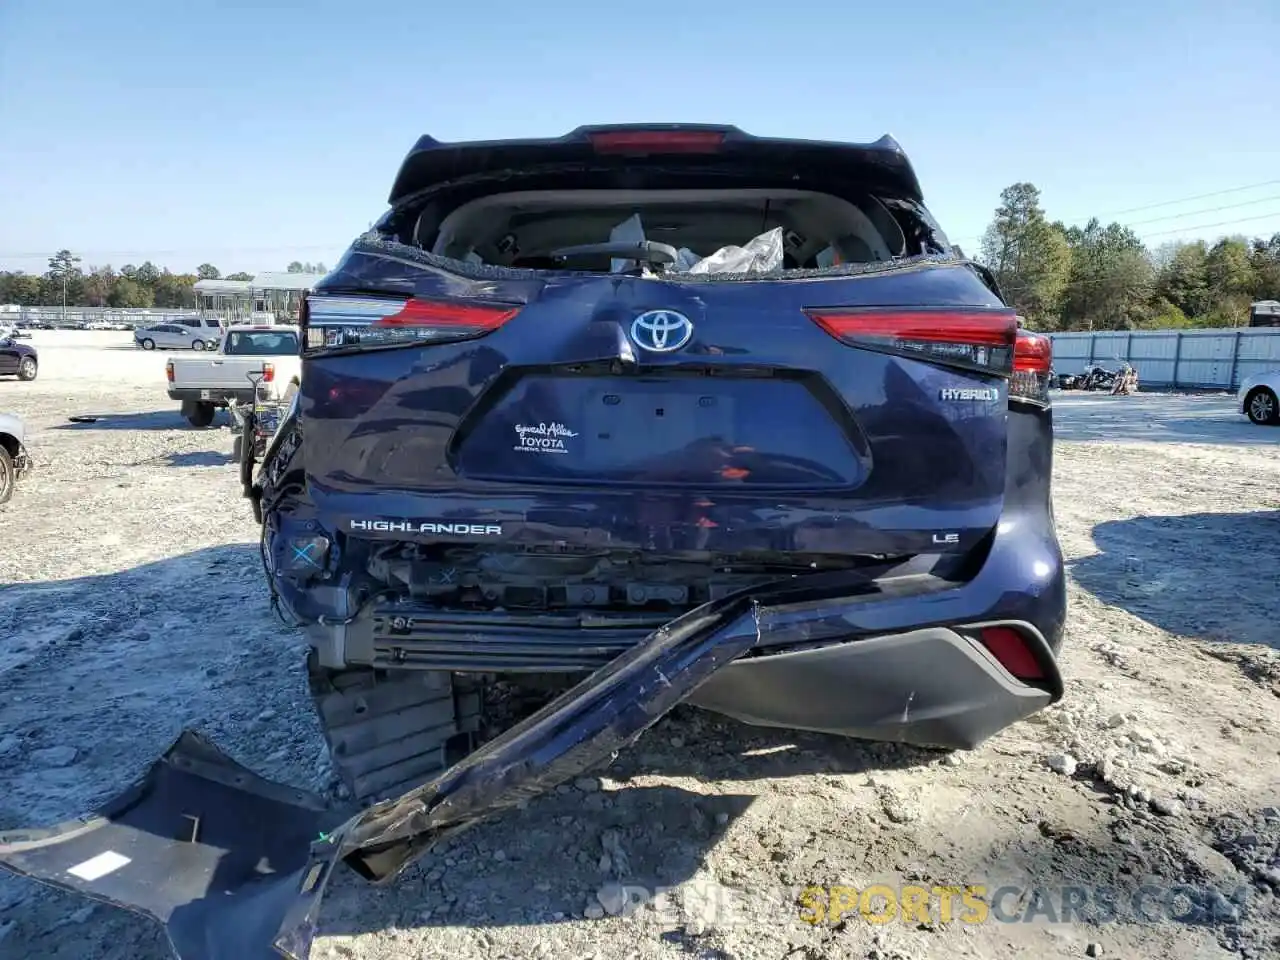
[14,462]
[171,336]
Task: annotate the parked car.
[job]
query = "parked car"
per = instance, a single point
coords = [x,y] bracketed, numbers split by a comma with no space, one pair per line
[19,360]
[209,326]
[251,359]
[1258,398]
[172,336]
[14,461]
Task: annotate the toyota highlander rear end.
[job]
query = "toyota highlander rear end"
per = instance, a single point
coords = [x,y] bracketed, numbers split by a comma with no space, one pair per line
[569,390]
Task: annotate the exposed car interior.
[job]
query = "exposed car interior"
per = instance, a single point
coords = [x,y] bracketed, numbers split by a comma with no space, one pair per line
[524,229]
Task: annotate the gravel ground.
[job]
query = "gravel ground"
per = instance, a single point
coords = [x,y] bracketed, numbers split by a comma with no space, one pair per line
[132,607]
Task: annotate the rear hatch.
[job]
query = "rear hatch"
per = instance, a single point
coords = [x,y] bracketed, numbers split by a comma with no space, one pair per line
[854,411]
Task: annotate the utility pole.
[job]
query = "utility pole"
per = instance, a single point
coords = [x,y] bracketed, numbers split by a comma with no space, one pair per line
[61,265]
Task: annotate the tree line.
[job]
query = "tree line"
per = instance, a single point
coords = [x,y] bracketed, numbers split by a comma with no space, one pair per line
[1093,277]
[66,281]
[1100,277]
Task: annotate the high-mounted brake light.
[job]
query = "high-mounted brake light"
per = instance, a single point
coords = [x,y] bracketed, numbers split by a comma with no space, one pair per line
[981,339]
[335,322]
[639,142]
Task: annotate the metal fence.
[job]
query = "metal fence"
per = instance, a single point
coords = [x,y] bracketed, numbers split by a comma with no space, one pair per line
[1217,359]
[79,316]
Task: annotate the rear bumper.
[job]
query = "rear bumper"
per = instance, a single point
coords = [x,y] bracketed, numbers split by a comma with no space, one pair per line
[889,658]
[218,395]
[893,661]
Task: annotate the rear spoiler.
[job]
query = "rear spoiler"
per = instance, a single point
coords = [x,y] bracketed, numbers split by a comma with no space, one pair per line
[431,162]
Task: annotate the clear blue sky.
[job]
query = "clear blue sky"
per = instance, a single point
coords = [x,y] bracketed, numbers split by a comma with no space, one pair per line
[249,134]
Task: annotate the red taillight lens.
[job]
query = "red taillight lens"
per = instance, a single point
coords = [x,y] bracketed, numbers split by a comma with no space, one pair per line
[168,371]
[337,322]
[979,338]
[1008,646]
[268,372]
[637,142]
[1032,359]
[458,316]
[1032,352]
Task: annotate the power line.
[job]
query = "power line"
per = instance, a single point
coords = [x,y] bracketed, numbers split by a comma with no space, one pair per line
[1166,203]
[1201,196]
[1192,213]
[1206,226]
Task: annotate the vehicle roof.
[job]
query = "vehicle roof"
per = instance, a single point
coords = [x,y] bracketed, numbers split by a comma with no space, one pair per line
[432,162]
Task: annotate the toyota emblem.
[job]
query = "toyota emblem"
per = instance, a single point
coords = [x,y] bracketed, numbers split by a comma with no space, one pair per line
[661,331]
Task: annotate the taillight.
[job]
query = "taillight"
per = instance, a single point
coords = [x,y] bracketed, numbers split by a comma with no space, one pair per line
[462,318]
[375,321]
[1032,359]
[168,370]
[1008,646]
[976,338]
[268,372]
[639,142]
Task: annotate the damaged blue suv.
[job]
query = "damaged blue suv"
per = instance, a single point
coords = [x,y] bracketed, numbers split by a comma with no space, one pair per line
[569,392]
[658,414]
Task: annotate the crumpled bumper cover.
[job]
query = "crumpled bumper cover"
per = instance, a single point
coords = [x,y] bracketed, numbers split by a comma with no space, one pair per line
[235,866]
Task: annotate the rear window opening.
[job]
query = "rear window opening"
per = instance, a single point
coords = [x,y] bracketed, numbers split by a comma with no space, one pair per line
[262,343]
[665,231]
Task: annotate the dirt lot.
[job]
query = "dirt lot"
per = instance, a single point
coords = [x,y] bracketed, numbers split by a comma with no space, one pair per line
[133,607]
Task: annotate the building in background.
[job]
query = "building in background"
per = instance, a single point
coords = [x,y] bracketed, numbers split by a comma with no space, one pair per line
[267,298]
[1264,313]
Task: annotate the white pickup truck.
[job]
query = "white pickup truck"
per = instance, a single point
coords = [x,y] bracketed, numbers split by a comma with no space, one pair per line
[267,356]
